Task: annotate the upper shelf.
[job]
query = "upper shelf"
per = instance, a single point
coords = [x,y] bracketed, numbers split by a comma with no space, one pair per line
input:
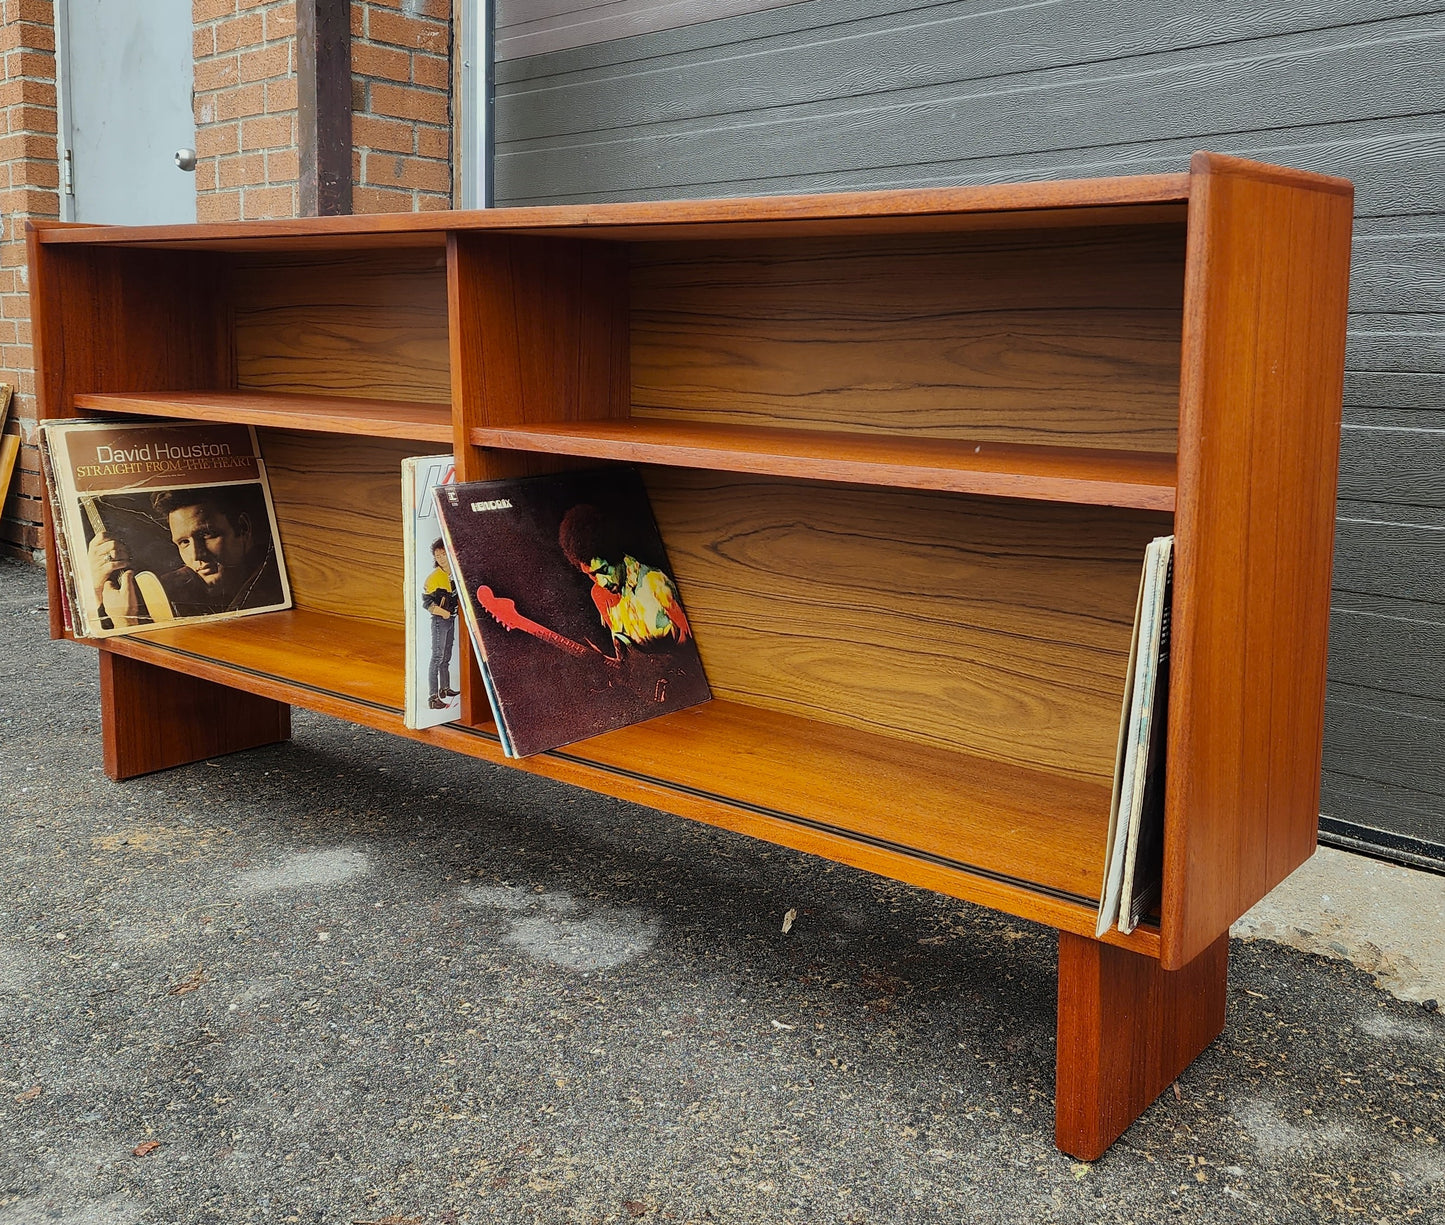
[1138,479]
[421,422]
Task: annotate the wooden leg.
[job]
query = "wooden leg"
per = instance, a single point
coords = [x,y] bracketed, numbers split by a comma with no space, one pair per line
[153,718]
[1127,1029]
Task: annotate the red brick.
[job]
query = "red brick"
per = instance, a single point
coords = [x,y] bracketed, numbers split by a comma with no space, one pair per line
[263,63]
[42,11]
[203,42]
[283,166]
[33,119]
[21,90]
[434,142]
[241,101]
[267,132]
[371,132]
[26,144]
[414,33]
[281,95]
[38,173]
[242,171]
[236,33]
[431,70]
[374,200]
[28,34]
[264,203]
[219,206]
[216,139]
[209,10]
[281,21]
[440,9]
[375,60]
[35,202]
[408,102]
[205,175]
[217,74]
[27,63]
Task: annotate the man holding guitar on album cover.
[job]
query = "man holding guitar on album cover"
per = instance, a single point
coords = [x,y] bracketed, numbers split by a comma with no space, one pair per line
[226,563]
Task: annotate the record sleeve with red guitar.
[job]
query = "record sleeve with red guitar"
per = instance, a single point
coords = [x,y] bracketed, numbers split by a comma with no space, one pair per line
[571,603]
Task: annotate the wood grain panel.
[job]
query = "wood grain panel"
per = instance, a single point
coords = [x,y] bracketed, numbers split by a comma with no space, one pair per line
[1070,339]
[1263,378]
[368,324]
[338,506]
[999,628]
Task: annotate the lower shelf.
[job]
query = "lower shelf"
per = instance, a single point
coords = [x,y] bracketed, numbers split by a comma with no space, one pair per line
[1022,841]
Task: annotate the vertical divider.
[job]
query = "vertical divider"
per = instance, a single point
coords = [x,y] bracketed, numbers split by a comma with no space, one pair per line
[538,330]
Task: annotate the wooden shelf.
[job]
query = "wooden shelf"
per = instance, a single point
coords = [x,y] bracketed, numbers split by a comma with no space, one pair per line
[329,656]
[1079,475]
[1041,832]
[422,422]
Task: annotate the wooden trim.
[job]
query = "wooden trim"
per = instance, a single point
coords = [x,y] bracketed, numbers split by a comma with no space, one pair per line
[657,218]
[323,106]
[1203,163]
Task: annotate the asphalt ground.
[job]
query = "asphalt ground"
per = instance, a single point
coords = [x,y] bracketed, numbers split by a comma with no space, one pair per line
[355,979]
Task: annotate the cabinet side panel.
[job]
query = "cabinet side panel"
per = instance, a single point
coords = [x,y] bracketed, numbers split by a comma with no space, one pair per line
[994,626]
[1067,338]
[1263,377]
[369,323]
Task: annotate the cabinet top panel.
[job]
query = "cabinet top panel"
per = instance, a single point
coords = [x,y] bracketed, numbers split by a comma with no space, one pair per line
[1126,201]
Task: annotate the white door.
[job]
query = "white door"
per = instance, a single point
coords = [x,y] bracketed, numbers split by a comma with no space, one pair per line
[126,76]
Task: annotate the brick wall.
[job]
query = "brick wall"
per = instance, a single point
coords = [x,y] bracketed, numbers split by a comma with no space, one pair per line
[247,165]
[401,75]
[246,115]
[245,105]
[29,187]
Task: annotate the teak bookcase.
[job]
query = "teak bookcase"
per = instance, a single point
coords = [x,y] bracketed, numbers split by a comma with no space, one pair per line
[906,449]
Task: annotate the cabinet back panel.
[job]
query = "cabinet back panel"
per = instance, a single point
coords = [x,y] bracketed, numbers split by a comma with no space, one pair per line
[359,323]
[1067,338]
[1000,627]
[338,506]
